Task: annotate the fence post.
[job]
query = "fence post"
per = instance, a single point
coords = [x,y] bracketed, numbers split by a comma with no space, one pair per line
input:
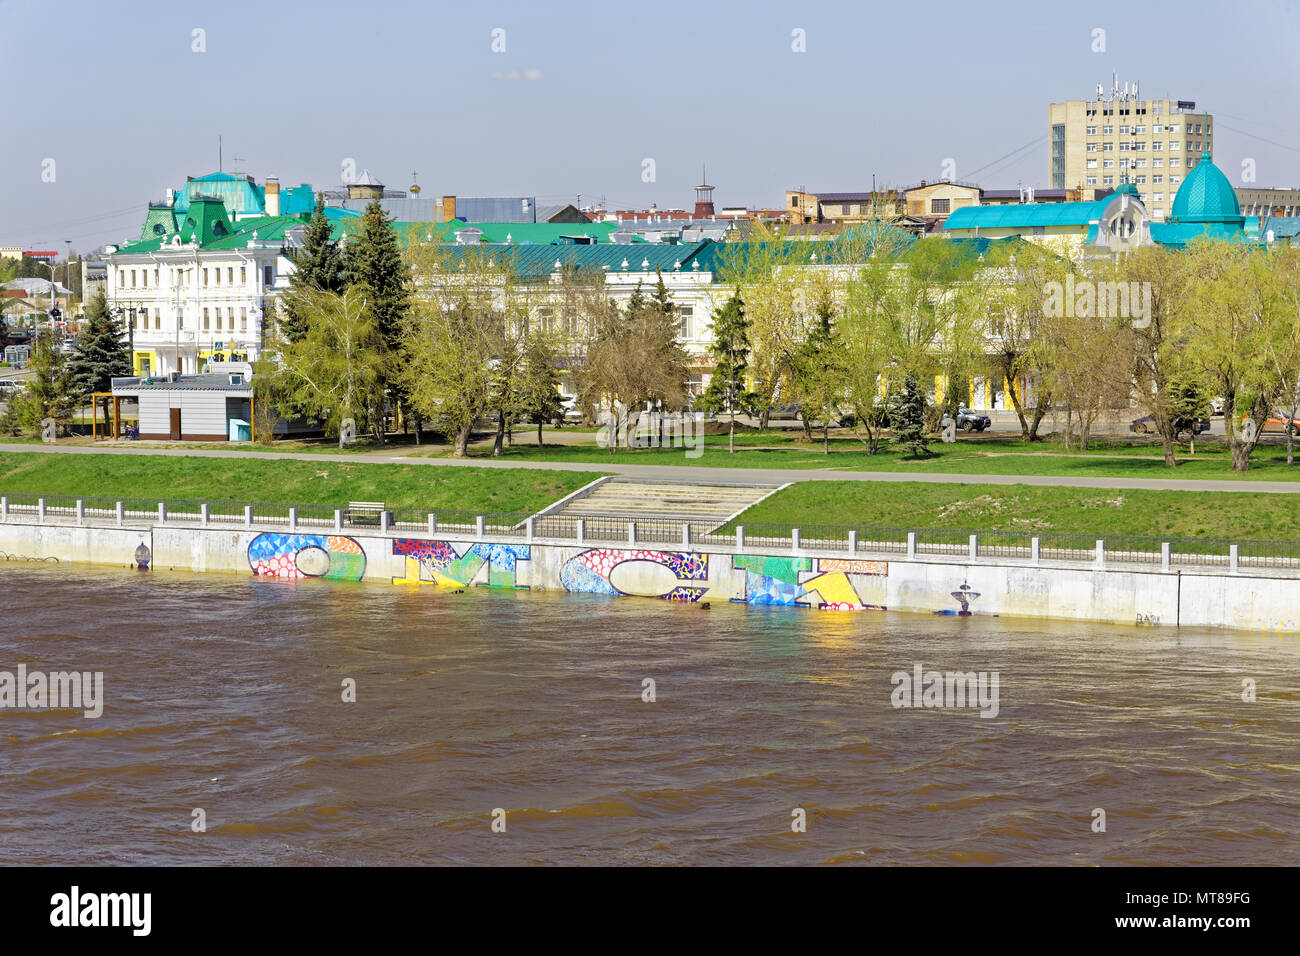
[205,515]
[162,512]
[1101,553]
[121,514]
[383,522]
[40,510]
[1234,557]
[4,508]
[911,544]
[293,519]
[794,539]
[338,519]
[579,530]
[853,542]
[974,546]
[81,510]
[248,516]
[740,537]
[631,532]
[479,525]
[1035,549]
[686,536]
[1164,555]
[433,524]
[528,528]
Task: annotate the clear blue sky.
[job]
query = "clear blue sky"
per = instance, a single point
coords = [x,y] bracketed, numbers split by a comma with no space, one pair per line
[114,94]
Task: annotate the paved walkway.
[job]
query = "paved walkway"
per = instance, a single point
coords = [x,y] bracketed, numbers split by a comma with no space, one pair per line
[690,473]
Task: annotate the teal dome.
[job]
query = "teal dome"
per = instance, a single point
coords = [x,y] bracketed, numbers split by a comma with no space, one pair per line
[1206,196]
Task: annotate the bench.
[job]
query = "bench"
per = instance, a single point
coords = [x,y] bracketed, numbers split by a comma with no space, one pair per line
[365,513]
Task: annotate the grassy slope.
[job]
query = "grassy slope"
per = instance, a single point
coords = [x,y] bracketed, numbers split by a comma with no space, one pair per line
[1030,509]
[297,482]
[980,457]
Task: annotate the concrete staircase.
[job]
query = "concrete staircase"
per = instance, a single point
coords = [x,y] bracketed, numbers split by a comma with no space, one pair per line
[704,506]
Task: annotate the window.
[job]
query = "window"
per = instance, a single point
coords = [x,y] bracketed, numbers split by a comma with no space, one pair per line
[133,272]
[1160,197]
[266,275]
[1090,148]
[230,275]
[205,320]
[1156,128]
[1157,147]
[1139,180]
[1173,161]
[1175,180]
[1091,164]
[205,276]
[144,365]
[1108,147]
[1139,164]
[1108,180]
[1107,130]
[144,278]
[1123,130]
[1124,145]
[218,320]
[1173,145]
[1157,179]
[939,205]
[1198,128]
[230,318]
[686,313]
[1091,131]
[155,275]
[243,275]
[1108,164]
[1140,130]
[121,278]
[1123,164]
[157,319]
[1140,147]
[243,320]
[1092,181]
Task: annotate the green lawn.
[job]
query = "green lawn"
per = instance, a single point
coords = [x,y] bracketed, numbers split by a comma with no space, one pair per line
[1031,509]
[294,482]
[1112,459]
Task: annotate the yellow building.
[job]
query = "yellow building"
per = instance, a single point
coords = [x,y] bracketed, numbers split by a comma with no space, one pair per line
[1119,137]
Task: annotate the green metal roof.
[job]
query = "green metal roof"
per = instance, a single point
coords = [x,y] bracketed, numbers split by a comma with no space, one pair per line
[535,261]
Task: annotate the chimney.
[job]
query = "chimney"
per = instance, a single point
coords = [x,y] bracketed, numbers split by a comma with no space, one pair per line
[272,196]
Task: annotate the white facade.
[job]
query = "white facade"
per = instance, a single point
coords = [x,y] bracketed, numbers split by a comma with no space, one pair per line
[186,305]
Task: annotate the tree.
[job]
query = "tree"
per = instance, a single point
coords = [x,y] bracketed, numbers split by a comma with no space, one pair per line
[632,358]
[909,418]
[374,262]
[101,352]
[337,370]
[538,393]
[318,265]
[463,339]
[50,392]
[818,371]
[730,349]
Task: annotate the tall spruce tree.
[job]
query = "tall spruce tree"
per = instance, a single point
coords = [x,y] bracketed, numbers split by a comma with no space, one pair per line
[909,418]
[318,265]
[101,351]
[730,348]
[661,299]
[374,262]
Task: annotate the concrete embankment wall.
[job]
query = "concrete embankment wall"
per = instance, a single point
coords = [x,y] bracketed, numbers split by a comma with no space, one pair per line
[813,580]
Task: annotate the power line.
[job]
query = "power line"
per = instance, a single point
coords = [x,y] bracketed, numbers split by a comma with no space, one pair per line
[1032,142]
[1271,142]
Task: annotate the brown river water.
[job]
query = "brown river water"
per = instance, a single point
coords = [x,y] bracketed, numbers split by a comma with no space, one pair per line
[224,693]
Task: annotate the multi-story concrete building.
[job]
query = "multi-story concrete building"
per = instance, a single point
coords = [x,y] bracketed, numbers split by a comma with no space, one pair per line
[1119,137]
[1264,202]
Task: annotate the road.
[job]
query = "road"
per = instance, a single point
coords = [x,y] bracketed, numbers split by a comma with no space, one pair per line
[700,475]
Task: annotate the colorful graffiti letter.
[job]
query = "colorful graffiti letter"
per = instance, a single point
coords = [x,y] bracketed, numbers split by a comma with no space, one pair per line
[834,587]
[643,573]
[770,580]
[307,556]
[436,562]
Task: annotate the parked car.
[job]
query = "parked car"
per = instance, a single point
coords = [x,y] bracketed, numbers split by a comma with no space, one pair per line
[969,421]
[1278,421]
[1184,428]
[1216,405]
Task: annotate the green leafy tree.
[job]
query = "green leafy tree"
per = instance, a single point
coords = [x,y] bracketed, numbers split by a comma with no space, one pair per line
[730,349]
[317,265]
[538,395]
[49,393]
[337,370]
[819,380]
